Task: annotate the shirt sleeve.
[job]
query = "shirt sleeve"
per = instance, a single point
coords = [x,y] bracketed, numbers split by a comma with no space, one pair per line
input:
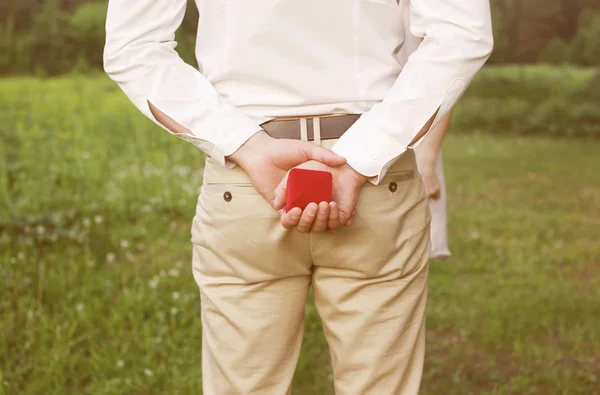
[457,40]
[140,56]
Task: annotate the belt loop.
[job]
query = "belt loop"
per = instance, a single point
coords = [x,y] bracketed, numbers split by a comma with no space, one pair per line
[303,129]
[317,130]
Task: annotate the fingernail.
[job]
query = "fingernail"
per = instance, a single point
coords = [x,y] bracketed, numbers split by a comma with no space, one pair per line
[311,210]
[295,214]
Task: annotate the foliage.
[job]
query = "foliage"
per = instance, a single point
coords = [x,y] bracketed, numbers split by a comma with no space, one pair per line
[15,50]
[52,44]
[87,27]
[525,28]
[583,49]
[532,100]
[60,40]
[586,45]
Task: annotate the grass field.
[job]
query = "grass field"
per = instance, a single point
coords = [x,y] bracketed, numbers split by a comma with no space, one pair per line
[97,294]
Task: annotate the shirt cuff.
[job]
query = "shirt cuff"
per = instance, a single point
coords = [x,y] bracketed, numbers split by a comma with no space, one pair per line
[222,133]
[379,137]
[369,150]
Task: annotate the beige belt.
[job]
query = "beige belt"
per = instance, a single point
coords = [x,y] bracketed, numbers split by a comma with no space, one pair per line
[315,128]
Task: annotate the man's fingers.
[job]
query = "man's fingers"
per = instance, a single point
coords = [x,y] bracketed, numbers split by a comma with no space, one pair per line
[323,155]
[334,216]
[290,219]
[307,218]
[344,217]
[351,220]
[322,218]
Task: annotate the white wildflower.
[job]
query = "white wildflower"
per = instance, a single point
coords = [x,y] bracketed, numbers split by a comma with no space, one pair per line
[110,257]
[153,283]
[174,272]
[120,363]
[98,219]
[124,244]
[40,229]
[148,372]
[87,222]
[174,310]
[176,295]
[79,306]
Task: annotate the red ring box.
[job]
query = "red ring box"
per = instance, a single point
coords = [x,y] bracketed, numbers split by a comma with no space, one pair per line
[306,186]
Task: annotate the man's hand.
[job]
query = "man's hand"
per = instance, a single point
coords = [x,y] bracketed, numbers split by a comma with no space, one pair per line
[266,160]
[318,218]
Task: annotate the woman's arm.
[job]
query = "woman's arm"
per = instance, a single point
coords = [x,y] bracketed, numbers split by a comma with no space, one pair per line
[427,153]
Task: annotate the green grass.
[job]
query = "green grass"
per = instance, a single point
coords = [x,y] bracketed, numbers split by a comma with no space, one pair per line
[97,294]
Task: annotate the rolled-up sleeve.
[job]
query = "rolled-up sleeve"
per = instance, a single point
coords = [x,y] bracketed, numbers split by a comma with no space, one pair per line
[140,56]
[457,40]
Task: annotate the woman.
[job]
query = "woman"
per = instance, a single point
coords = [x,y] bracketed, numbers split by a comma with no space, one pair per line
[429,162]
[429,159]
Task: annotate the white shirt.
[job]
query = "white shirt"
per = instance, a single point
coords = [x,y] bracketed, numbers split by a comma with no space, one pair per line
[263,59]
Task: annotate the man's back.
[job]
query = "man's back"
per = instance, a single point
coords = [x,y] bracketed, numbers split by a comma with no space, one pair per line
[281,57]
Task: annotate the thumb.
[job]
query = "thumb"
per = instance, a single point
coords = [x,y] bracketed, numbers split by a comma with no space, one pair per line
[323,155]
[278,201]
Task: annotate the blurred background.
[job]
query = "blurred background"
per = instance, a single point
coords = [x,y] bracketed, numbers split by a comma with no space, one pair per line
[96,204]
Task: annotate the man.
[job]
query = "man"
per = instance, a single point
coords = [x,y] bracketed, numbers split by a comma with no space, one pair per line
[273,75]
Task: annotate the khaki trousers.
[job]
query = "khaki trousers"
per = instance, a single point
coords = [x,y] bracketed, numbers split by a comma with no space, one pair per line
[369,283]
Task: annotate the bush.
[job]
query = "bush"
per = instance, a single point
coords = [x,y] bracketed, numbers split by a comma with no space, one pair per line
[547,101]
[52,46]
[556,52]
[586,45]
[60,42]
[16,51]
[87,26]
[583,49]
